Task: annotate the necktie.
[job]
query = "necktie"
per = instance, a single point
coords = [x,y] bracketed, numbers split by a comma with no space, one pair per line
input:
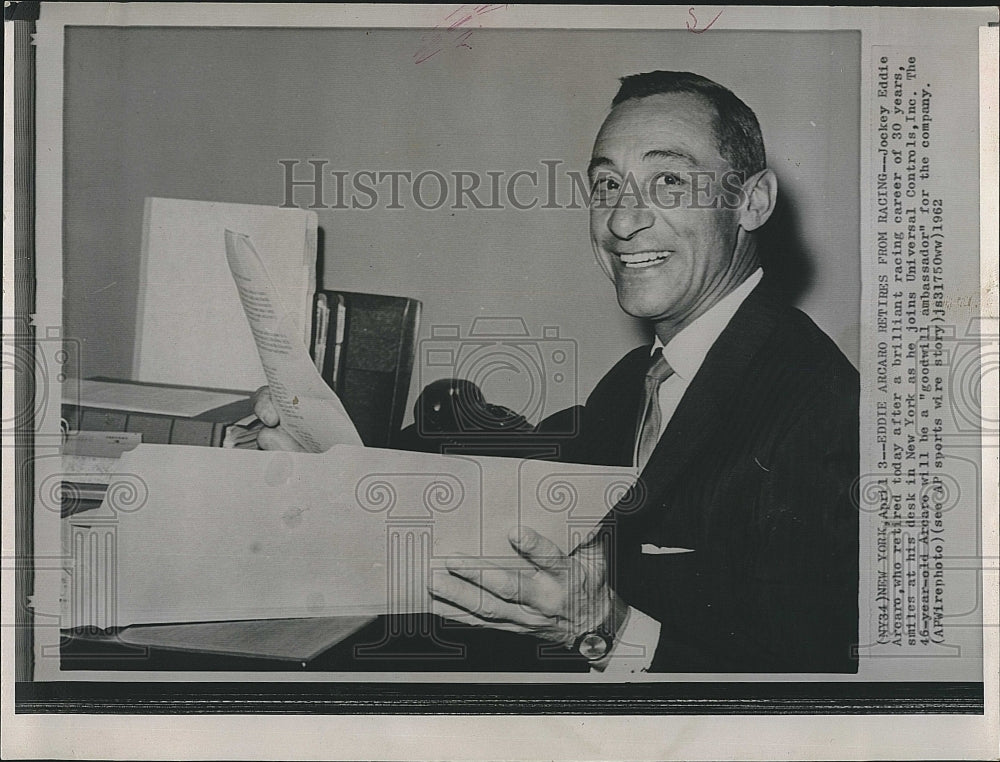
[649,430]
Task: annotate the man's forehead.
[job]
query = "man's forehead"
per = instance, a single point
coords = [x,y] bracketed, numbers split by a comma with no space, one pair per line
[670,122]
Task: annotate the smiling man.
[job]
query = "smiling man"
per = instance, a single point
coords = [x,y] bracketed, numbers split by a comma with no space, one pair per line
[737,551]
[740,555]
[662,228]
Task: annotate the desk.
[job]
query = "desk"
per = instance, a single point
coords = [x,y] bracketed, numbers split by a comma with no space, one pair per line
[407,643]
[293,640]
[412,643]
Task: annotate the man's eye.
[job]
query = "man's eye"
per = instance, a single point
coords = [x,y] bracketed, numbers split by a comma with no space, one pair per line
[605,185]
[668,179]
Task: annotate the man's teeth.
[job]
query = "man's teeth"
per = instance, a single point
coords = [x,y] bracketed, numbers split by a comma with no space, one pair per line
[644,259]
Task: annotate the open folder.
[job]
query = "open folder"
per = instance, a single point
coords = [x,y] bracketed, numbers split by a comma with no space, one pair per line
[193,534]
[188,534]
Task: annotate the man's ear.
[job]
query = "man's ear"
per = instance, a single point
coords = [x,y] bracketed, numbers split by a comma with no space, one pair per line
[761,194]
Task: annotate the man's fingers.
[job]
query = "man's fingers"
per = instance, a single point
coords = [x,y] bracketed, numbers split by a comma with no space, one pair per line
[456,614]
[473,599]
[539,551]
[469,596]
[263,407]
[502,583]
[277,439]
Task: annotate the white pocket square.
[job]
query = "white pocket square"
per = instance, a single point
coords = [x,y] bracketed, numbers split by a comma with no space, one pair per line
[656,550]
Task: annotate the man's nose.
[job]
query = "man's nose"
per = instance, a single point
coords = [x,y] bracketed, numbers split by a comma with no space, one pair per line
[630,217]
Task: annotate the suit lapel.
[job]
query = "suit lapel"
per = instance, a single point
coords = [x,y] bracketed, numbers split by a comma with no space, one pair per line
[702,412]
[613,431]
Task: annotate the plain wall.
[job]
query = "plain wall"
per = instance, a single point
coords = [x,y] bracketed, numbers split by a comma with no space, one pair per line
[209,113]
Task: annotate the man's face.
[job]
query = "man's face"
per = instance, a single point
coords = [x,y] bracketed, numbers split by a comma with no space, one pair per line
[668,261]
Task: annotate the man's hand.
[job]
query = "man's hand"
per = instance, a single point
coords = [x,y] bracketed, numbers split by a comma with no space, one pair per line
[558,599]
[273,436]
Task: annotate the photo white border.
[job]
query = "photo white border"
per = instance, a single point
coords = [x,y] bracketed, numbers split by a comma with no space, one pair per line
[494,737]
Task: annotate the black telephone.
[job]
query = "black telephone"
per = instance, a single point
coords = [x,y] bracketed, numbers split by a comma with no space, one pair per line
[453,412]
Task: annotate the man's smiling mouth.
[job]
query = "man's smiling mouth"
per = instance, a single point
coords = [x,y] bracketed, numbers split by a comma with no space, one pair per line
[644,258]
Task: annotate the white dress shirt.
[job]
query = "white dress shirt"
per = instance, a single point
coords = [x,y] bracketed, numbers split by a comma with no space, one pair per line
[635,642]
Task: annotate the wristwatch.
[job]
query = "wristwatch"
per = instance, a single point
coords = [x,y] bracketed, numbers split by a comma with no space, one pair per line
[595,644]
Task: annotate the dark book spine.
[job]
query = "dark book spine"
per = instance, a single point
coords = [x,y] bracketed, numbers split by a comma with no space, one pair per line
[190,432]
[155,429]
[370,343]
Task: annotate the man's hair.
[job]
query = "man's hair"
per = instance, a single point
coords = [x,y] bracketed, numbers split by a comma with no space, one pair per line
[736,128]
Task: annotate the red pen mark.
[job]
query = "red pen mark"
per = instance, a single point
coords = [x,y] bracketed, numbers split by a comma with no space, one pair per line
[455,33]
[424,56]
[463,20]
[693,28]
[461,40]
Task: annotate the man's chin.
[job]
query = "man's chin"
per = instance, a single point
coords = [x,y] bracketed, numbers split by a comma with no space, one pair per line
[640,309]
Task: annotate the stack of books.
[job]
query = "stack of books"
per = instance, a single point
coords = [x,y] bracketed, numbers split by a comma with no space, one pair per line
[109,417]
[160,413]
[174,392]
[361,344]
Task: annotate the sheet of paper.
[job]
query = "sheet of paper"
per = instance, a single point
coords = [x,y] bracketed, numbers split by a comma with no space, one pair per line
[208,534]
[160,400]
[310,411]
[88,469]
[91,457]
[190,328]
[100,444]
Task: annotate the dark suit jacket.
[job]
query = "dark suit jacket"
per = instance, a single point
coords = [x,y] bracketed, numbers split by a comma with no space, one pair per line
[754,473]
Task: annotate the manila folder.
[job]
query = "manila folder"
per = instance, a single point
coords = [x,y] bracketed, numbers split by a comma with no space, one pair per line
[194,534]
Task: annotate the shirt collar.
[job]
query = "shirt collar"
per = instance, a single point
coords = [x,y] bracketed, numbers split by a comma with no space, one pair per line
[686,351]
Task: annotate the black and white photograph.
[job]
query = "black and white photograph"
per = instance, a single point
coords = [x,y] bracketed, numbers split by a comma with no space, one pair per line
[487,360]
